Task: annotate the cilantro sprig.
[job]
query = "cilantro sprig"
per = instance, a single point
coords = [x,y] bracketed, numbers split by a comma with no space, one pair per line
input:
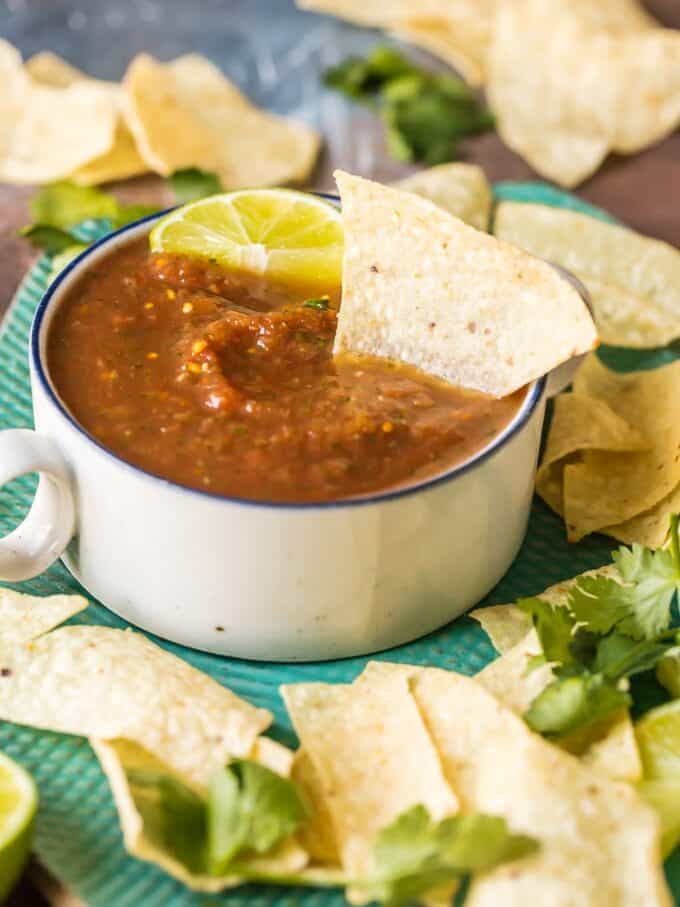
[425,114]
[58,208]
[415,854]
[608,631]
[248,811]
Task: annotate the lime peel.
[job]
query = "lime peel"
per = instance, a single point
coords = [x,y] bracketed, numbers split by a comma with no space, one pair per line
[18,805]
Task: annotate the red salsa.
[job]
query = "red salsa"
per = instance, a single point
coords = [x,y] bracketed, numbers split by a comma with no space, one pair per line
[224,382]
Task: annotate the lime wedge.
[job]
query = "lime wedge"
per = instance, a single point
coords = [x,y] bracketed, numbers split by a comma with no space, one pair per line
[278,233]
[18,803]
[658,738]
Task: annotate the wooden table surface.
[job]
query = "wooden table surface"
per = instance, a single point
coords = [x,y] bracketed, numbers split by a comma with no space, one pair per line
[642,191]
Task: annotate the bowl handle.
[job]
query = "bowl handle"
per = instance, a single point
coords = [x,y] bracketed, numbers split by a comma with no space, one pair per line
[47,529]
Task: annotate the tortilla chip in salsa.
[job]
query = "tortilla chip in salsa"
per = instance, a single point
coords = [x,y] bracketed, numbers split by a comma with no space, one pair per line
[421,287]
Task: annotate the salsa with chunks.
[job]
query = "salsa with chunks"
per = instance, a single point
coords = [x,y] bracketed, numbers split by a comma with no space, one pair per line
[225,382]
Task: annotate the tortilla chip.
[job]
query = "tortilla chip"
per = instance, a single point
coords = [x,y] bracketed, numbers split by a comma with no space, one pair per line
[570,82]
[422,287]
[605,489]
[25,617]
[122,160]
[651,527]
[599,841]
[581,422]
[460,37]
[187,114]
[461,189]
[273,755]
[609,747]
[50,69]
[612,748]
[106,683]
[505,625]
[632,279]
[456,31]
[144,825]
[508,679]
[46,133]
[373,757]
[317,834]
[375,14]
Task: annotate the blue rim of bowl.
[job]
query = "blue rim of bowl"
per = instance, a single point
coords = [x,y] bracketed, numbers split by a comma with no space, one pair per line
[526,411]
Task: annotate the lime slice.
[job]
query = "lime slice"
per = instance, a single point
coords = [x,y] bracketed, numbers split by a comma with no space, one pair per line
[18,803]
[281,234]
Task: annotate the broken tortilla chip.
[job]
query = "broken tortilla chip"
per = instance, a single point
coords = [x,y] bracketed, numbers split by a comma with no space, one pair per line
[373,757]
[597,836]
[422,287]
[187,114]
[632,279]
[105,683]
[25,617]
[579,423]
[461,189]
[46,133]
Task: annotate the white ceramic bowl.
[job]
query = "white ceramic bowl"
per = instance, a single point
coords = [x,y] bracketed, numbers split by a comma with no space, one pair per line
[255,579]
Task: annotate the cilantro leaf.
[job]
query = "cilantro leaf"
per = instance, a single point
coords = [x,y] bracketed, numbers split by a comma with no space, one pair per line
[64,204]
[415,854]
[190,184]
[250,810]
[656,580]
[554,627]
[59,207]
[174,817]
[599,602]
[574,702]
[127,214]
[362,78]
[53,240]
[620,656]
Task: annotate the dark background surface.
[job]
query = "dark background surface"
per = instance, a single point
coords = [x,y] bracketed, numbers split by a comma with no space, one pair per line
[276,53]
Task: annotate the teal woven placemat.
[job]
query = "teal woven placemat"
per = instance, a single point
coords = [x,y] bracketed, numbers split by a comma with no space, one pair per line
[78,838]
